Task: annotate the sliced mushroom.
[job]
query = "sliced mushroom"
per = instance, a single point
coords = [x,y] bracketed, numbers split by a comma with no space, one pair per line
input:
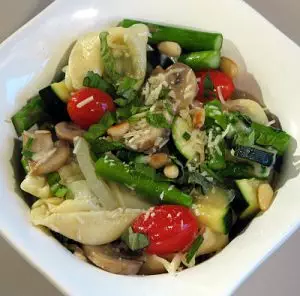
[42,140]
[143,137]
[53,160]
[249,108]
[110,259]
[68,131]
[183,83]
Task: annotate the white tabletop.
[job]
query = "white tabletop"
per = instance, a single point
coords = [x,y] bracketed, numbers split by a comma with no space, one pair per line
[278,276]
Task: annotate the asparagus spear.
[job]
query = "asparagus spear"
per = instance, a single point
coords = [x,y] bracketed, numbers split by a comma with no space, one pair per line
[29,115]
[156,192]
[191,40]
[202,59]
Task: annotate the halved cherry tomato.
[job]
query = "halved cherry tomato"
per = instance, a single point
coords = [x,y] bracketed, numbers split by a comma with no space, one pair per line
[219,80]
[88,105]
[170,228]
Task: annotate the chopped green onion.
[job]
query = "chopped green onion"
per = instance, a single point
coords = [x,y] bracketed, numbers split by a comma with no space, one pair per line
[194,248]
[53,178]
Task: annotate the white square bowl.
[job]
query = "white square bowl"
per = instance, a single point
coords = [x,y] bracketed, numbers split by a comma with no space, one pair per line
[28,61]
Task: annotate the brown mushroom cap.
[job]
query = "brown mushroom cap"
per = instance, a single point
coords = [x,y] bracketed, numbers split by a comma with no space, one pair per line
[53,160]
[68,131]
[110,259]
[42,140]
[183,83]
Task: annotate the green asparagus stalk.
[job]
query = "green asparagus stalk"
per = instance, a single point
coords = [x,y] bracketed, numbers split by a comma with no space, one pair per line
[156,192]
[191,40]
[202,59]
[29,115]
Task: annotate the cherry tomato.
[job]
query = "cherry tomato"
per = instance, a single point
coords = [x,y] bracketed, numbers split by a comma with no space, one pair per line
[88,105]
[170,228]
[210,81]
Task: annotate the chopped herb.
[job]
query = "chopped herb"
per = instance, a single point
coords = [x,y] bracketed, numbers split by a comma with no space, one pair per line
[134,241]
[94,80]
[97,130]
[186,136]
[126,89]
[26,152]
[208,83]
[157,120]
[61,191]
[192,252]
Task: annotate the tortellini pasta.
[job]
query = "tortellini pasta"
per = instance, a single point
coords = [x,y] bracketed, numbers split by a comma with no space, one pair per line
[36,185]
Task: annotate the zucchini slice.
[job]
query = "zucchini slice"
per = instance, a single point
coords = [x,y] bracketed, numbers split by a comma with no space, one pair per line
[61,90]
[259,155]
[214,211]
[189,142]
[248,188]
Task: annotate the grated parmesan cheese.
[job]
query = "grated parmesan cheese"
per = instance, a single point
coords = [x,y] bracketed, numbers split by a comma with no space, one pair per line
[85,102]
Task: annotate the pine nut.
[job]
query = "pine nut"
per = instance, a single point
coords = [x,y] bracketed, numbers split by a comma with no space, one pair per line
[169,48]
[199,118]
[171,171]
[265,196]
[229,67]
[158,160]
[117,131]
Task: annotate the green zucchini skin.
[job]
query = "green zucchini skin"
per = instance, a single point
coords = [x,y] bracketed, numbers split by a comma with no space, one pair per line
[261,156]
[191,40]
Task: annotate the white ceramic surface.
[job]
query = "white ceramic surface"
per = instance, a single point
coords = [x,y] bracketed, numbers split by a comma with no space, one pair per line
[28,61]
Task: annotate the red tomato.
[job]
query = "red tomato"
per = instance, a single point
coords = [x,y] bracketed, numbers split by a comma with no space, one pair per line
[219,81]
[88,105]
[170,228]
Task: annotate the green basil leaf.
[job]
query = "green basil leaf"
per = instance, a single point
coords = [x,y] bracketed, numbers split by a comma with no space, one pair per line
[94,80]
[134,241]
[269,136]
[197,178]
[213,111]
[97,130]
[244,139]
[194,248]
[121,102]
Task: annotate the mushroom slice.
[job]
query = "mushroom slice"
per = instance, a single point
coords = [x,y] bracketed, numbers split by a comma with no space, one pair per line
[183,83]
[249,108]
[143,137]
[112,260]
[53,160]
[42,140]
[68,131]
